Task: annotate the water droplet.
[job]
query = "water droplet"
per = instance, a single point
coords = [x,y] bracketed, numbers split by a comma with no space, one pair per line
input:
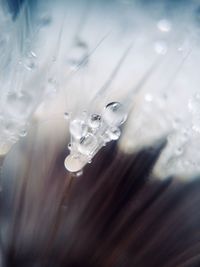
[179,151]
[114,114]
[161,47]
[194,104]
[196,124]
[164,25]
[30,64]
[4,148]
[74,164]
[33,54]
[52,87]
[69,146]
[114,133]
[88,145]
[23,133]
[78,54]
[66,115]
[106,138]
[95,121]
[78,128]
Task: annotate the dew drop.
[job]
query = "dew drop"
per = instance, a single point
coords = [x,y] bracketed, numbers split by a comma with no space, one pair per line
[194,104]
[114,133]
[30,64]
[196,124]
[179,151]
[69,146]
[78,54]
[23,133]
[114,114]
[88,145]
[52,87]
[78,128]
[73,164]
[161,47]
[33,54]
[95,121]
[164,25]
[66,115]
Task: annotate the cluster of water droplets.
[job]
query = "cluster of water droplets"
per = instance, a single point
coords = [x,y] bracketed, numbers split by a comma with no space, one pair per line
[91,132]
[160,46]
[194,108]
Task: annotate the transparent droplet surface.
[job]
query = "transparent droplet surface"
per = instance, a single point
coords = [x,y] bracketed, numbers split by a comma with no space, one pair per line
[88,145]
[114,114]
[114,133]
[95,121]
[164,25]
[161,47]
[78,128]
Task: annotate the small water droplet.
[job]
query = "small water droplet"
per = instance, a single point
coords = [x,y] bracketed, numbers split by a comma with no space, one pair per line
[88,144]
[196,126]
[30,64]
[114,114]
[164,25]
[33,54]
[23,133]
[52,87]
[114,133]
[161,47]
[73,164]
[95,121]
[179,151]
[194,104]
[78,128]
[78,54]
[66,115]
[69,146]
